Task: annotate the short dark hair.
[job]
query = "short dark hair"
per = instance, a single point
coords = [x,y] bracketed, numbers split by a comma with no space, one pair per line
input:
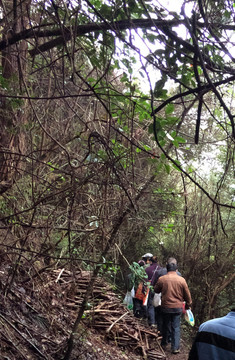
[172,260]
[171,264]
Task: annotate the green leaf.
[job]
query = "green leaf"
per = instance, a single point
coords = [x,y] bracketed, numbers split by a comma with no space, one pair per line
[169,108]
[16,103]
[175,166]
[151,38]
[158,191]
[147,148]
[162,143]
[175,142]
[150,129]
[161,135]
[180,139]
[200,71]
[106,11]
[168,229]
[168,168]
[173,134]
[159,167]
[158,124]
[124,78]
[163,94]
[158,89]
[158,92]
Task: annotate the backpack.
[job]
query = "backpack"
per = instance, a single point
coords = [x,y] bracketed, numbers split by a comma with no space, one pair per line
[140,291]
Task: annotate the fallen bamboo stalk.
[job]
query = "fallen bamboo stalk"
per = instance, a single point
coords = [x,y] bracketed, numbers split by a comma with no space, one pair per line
[58,277]
[102,311]
[131,336]
[108,330]
[24,337]
[155,352]
[109,316]
[146,340]
[151,333]
[142,345]
[11,342]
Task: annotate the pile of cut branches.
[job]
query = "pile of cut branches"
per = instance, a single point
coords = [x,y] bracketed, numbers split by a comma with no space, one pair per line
[37,316]
[112,318]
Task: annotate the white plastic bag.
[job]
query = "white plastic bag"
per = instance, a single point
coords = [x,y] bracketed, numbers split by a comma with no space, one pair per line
[157,300]
[128,300]
[189,317]
[133,292]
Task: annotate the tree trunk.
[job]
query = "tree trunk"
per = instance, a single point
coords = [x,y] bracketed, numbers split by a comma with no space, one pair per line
[13,114]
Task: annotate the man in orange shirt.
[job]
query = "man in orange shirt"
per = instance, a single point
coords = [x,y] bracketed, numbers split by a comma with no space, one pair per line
[175,291]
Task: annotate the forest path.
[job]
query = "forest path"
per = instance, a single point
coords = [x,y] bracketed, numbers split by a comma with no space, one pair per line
[106,350]
[183,355]
[42,311]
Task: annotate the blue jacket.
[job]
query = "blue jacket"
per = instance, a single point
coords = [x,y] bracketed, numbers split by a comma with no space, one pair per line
[215,339]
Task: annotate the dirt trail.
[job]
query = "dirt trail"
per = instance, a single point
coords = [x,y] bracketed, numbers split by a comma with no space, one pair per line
[38,316]
[183,355]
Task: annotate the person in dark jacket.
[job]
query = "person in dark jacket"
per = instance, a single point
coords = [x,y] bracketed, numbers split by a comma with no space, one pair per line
[152,268]
[162,271]
[150,271]
[215,339]
[174,290]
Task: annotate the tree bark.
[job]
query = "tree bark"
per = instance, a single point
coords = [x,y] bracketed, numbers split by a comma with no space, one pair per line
[13,115]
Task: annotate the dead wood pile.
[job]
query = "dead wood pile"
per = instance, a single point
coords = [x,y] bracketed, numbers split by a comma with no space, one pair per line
[112,318]
[37,316]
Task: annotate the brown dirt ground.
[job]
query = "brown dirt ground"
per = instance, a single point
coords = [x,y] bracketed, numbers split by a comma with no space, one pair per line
[38,318]
[96,347]
[183,355]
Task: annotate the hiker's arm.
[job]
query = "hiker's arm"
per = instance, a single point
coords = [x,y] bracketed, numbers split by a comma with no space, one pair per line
[187,296]
[158,287]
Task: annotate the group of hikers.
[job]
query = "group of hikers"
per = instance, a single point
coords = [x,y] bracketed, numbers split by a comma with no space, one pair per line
[161,295]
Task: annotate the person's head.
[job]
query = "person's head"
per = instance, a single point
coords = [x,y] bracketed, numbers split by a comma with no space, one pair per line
[141,263]
[153,259]
[146,257]
[171,264]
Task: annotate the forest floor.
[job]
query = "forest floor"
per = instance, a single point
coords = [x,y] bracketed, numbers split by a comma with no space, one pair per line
[38,312]
[108,351]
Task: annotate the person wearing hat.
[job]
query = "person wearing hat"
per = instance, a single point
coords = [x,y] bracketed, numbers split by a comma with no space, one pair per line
[146,258]
[215,339]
